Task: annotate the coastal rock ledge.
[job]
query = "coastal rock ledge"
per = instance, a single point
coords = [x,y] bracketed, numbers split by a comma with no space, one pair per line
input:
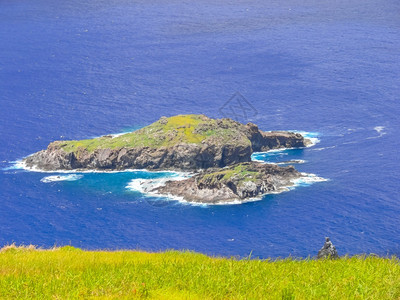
[183,142]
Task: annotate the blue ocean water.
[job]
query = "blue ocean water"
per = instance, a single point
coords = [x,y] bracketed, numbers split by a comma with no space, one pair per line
[79,69]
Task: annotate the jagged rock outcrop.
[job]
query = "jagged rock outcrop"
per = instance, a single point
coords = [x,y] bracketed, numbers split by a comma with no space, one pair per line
[264,141]
[327,250]
[177,157]
[185,142]
[234,183]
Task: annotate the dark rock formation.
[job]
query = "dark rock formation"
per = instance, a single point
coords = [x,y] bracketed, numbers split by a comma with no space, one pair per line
[328,250]
[264,141]
[234,183]
[187,142]
[178,157]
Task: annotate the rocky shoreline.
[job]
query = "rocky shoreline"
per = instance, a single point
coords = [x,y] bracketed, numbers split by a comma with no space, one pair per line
[218,150]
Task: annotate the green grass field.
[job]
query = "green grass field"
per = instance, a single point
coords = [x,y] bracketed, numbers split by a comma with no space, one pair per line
[70,273]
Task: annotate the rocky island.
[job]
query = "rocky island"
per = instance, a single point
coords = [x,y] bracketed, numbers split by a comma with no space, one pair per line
[184,142]
[222,148]
[232,184]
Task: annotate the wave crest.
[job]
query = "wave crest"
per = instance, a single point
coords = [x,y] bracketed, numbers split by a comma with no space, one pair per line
[53,178]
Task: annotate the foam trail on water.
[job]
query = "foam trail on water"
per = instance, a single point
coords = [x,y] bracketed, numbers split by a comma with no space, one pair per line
[307,179]
[323,148]
[71,177]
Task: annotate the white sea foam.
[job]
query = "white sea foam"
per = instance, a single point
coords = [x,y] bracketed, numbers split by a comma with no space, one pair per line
[15,165]
[294,161]
[352,142]
[146,186]
[71,177]
[263,156]
[312,136]
[257,159]
[307,179]
[248,200]
[379,129]
[323,148]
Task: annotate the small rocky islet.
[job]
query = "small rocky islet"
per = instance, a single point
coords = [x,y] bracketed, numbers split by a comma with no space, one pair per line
[217,150]
[232,184]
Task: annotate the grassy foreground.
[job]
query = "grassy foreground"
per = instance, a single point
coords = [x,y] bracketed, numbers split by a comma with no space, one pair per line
[70,273]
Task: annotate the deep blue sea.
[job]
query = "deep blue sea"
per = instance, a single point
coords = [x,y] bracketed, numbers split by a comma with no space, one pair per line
[80,69]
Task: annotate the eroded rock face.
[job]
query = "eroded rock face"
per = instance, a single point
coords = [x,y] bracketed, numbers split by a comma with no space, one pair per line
[178,157]
[235,183]
[264,141]
[217,150]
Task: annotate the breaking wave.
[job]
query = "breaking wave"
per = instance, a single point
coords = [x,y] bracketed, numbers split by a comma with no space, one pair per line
[312,136]
[147,185]
[53,178]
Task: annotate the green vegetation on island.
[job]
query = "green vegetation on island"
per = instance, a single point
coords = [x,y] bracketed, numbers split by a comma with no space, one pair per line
[183,142]
[70,273]
[242,172]
[166,132]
